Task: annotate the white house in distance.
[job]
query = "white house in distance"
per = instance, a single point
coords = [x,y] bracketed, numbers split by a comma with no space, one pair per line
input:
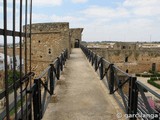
[17,62]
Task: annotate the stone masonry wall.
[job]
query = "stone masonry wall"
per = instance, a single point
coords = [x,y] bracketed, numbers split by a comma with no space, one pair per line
[48,41]
[137,60]
[76,34]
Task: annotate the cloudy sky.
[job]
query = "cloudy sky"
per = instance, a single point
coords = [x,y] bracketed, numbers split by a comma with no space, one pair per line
[104,20]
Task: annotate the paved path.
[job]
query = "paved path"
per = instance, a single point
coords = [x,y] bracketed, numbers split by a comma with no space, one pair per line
[80,94]
[144,81]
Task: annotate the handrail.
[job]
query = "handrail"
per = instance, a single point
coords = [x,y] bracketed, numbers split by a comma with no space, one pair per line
[24,80]
[39,89]
[133,96]
[45,83]
[148,89]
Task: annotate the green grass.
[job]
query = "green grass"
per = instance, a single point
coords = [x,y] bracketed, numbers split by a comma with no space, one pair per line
[147,75]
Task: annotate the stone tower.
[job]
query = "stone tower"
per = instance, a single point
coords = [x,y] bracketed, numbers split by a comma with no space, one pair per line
[76,36]
[48,41]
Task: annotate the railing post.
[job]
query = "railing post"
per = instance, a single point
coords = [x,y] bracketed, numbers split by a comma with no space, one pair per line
[88,53]
[89,56]
[101,69]
[58,68]
[90,59]
[37,100]
[51,80]
[111,83]
[95,63]
[93,55]
[61,61]
[133,97]
[67,55]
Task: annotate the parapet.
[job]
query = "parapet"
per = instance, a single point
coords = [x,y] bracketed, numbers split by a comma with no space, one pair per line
[80,30]
[49,27]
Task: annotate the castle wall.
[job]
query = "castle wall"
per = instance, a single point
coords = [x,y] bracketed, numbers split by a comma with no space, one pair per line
[137,60]
[48,41]
[76,34]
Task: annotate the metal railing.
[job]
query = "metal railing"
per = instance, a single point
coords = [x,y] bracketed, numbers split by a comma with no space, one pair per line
[46,83]
[130,93]
[22,97]
[40,92]
[17,75]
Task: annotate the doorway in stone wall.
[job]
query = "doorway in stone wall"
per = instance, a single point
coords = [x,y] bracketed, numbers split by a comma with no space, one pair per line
[77,42]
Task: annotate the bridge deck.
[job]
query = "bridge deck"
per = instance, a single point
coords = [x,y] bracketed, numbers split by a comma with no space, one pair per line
[80,95]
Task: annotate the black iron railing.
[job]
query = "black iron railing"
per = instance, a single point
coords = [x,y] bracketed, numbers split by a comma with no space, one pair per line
[44,85]
[22,97]
[130,93]
[40,92]
[17,75]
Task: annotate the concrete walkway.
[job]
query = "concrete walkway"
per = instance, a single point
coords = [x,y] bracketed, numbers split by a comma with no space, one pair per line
[80,95]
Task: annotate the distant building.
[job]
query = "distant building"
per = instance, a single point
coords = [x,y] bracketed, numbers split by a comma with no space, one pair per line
[104,45]
[150,45]
[17,66]
[125,46]
[10,62]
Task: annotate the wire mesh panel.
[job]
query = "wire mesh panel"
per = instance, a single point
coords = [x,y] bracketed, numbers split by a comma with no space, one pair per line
[15,76]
